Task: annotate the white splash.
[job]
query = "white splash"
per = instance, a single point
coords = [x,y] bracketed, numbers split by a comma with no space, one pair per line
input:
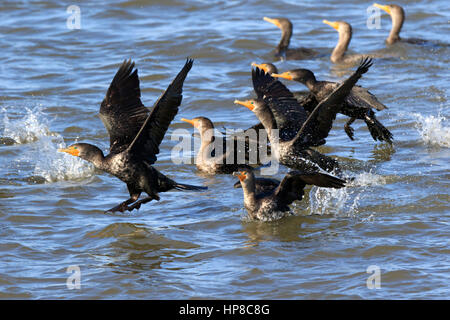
[48,162]
[434,130]
[25,130]
[344,201]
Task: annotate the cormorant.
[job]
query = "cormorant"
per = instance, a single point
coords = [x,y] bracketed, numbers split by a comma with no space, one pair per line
[290,129]
[398,17]
[207,159]
[358,104]
[135,135]
[345,35]
[269,199]
[282,50]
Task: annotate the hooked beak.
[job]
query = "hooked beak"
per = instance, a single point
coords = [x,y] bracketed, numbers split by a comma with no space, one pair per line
[240,174]
[273,21]
[285,75]
[385,8]
[246,103]
[70,150]
[192,122]
[332,24]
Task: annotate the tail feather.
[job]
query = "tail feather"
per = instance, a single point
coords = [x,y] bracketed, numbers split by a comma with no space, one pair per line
[188,187]
[377,130]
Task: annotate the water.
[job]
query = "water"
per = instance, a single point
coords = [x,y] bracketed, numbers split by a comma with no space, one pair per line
[395,215]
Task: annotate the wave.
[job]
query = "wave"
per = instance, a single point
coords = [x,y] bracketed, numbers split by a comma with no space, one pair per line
[344,201]
[53,166]
[434,130]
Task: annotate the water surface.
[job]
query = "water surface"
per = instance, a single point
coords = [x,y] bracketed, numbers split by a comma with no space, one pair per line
[395,215]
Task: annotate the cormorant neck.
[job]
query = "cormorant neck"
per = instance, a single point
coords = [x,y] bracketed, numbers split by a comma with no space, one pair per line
[341,47]
[267,119]
[249,194]
[94,155]
[311,82]
[397,23]
[207,139]
[286,34]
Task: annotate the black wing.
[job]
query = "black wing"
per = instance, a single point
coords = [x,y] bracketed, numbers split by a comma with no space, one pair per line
[291,187]
[360,96]
[147,140]
[288,113]
[122,111]
[320,120]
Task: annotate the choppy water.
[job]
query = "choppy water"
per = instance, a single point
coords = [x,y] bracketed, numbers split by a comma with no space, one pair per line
[395,215]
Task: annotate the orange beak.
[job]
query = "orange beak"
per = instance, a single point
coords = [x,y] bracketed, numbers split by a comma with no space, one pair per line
[247,103]
[385,8]
[273,21]
[70,150]
[285,75]
[242,175]
[331,23]
[192,122]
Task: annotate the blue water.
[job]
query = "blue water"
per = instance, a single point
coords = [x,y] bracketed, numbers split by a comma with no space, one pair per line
[395,216]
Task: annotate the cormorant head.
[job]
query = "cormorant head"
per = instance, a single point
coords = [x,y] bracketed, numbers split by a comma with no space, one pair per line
[342,27]
[282,23]
[246,177]
[299,75]
[392,9]
[200,123]
[85,151]
[266,67]
[254,105]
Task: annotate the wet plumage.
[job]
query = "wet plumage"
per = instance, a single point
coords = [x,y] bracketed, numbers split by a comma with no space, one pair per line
[269,199]
[291,130]
[358,104]
[135,135]
[219,154]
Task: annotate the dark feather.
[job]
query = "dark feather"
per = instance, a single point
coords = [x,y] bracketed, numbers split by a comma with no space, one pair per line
[147,141]
[122,111]
[289,115]
[320,121]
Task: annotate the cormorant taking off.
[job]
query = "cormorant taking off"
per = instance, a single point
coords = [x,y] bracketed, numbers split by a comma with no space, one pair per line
[269,199]
[135,135]
[358,104]
[277,109]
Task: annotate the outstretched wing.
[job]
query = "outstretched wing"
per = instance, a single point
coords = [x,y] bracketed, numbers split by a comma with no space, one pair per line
[122,111]
[147,140]
[360,96]
[291,187]
[288,113]
[320,120]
